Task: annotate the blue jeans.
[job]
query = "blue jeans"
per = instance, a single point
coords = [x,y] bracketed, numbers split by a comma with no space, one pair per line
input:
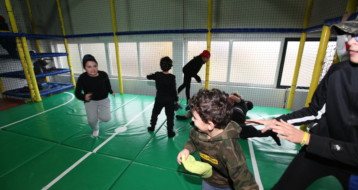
[206,186]
[353,182]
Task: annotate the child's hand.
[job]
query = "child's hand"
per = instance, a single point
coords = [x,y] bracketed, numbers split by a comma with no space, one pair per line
[185,153]
[88,96]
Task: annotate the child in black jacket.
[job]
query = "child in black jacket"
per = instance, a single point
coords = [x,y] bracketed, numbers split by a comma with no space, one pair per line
[191,69]
[166,95]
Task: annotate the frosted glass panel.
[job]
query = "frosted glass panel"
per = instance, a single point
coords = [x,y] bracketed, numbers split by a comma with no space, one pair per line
[255,62]
[128,59]
[151,53]
[307,63]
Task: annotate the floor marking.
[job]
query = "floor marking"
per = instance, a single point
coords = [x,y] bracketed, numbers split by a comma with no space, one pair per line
[118,131]
[58,178]
[124,104]
[254,166]
[73,97]
[66,171]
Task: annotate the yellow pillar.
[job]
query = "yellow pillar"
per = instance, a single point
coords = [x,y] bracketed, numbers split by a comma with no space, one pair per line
[291,95]
[351,6]
[116,46]
[208,41]
[319,61]
[2,88]
[31,69]
[65,42]
[25,60]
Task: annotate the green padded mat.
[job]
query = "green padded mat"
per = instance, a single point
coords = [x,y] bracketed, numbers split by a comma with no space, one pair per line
[47,145]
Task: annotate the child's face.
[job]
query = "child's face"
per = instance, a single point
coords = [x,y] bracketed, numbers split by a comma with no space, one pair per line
[91,68]
[200,124]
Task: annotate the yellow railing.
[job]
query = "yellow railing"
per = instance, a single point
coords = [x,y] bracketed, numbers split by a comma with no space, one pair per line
[208,42]
[116,46]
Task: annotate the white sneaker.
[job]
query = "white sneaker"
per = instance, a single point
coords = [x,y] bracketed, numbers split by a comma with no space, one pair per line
[95,133]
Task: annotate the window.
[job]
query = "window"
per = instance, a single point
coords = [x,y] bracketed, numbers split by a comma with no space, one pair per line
[128,55]
[151,53]
[76,60]
[218,61]
[307,63]
[254,62]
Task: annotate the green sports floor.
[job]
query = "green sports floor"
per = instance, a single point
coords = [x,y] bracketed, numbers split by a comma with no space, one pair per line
[47,145]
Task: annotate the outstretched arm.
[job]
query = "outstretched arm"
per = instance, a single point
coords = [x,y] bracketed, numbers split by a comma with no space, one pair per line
[197,78]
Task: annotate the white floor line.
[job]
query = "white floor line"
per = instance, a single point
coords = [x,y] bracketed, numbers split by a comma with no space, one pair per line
[66,171]
[254,165]
[116,133]
[58,178]
[73,97]
[124,104]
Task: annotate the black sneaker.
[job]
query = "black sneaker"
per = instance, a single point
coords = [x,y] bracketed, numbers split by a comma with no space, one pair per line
[171,134]
[150,128]
[177,106]
[181,117]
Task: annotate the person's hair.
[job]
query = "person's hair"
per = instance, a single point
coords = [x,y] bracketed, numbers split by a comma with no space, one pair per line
[166,63]
[86,58]
[249,105]
[212,105]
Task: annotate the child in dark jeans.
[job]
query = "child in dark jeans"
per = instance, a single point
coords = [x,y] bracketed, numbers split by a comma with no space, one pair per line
[166,95]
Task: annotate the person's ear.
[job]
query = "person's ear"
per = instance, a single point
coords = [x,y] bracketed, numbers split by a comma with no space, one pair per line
[210,126]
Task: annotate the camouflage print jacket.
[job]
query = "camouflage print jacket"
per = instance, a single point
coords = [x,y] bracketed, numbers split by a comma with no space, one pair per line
[225,155]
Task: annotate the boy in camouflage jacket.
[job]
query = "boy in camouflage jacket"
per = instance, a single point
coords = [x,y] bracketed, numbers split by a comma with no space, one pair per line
[216,139]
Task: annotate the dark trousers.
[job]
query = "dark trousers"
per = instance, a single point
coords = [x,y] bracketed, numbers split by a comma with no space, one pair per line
[168,104]
[306,168]
[186,85]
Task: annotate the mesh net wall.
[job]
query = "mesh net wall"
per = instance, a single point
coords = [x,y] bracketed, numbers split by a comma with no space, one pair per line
[249,59]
